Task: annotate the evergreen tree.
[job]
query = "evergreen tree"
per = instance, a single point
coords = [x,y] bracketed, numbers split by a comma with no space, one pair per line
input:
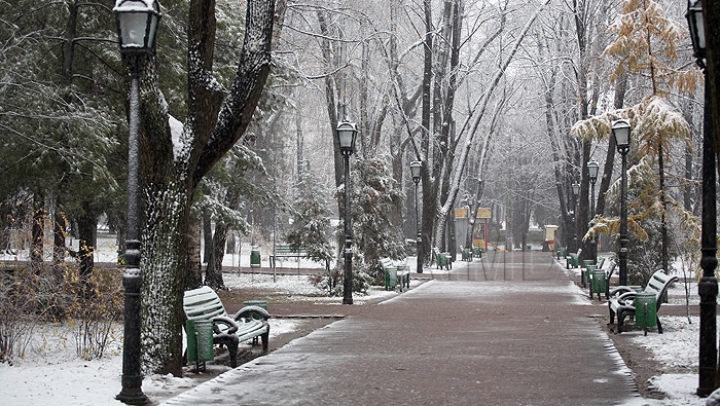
[646,45]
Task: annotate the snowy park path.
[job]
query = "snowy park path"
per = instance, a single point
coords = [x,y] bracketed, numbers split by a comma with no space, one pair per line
[509,332]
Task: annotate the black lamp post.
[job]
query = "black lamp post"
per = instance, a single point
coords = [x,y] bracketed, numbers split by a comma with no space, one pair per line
[576,193]
[346,133]
[415,171]
[137,22]
[708,285]
[592,167]
[621,131]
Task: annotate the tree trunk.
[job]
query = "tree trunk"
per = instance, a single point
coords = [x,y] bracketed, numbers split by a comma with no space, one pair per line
[193,268]
[87,236]
[216,121]
[38,233]
[213,272]
[59,232]
[163,270]
[207,238]
[429,193]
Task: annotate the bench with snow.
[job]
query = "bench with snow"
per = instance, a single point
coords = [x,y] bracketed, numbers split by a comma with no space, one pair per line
[607,266]
[443,259]
[395,273]
[622,298]
[574,259]
[284,251]
[248,323]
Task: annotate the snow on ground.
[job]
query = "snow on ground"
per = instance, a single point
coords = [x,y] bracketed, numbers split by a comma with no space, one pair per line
[677,350]
[50,373]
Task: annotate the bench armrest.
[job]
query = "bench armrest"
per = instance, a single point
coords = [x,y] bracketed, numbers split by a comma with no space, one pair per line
[627,297]
[620,290]
[251,312]
[232,327]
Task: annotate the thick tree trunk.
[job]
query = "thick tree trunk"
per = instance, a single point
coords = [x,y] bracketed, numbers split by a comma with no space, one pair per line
[216,121]
[207,238]
[162,265]
[193,268]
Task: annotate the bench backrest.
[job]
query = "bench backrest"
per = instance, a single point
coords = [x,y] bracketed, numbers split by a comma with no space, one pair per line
[386,262]
[659,283]
[285,249]
[608,265]
[202,304]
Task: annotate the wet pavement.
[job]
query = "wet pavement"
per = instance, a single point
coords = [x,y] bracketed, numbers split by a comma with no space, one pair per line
[507,329]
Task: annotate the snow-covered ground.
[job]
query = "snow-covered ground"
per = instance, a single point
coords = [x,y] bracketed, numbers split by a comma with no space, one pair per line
[50,373]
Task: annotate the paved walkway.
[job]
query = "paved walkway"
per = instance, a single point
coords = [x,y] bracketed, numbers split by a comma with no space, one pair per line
[510,330]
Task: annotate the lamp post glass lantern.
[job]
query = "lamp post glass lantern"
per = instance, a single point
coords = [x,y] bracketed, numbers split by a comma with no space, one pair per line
[592,167]
[576,189]
[708,285]
[137,22]
[621,131]
[346,134]
[416,172]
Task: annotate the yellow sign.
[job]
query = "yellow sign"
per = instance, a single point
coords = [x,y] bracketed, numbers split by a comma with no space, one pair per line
[461,213]
[484,213]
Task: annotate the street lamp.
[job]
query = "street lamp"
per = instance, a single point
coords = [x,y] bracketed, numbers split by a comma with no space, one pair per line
[137,22]
[346,134]
[576,193]
[708,285]
[621,131]
[696,23]
[415,171]
[592,167]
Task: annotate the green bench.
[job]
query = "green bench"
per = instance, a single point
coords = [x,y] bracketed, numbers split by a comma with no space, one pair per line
[574,259]
[598,277]
[443,259]
[622,301]
[395,274]
[284,251]
[248,323]
[467,254]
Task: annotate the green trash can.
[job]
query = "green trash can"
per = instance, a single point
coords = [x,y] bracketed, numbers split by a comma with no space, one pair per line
[645,310]
[588,271]
[255,258]
[390,278]
[199,340]
[598,281]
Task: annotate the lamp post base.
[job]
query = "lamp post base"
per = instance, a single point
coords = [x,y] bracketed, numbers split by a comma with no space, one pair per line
[132,396]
